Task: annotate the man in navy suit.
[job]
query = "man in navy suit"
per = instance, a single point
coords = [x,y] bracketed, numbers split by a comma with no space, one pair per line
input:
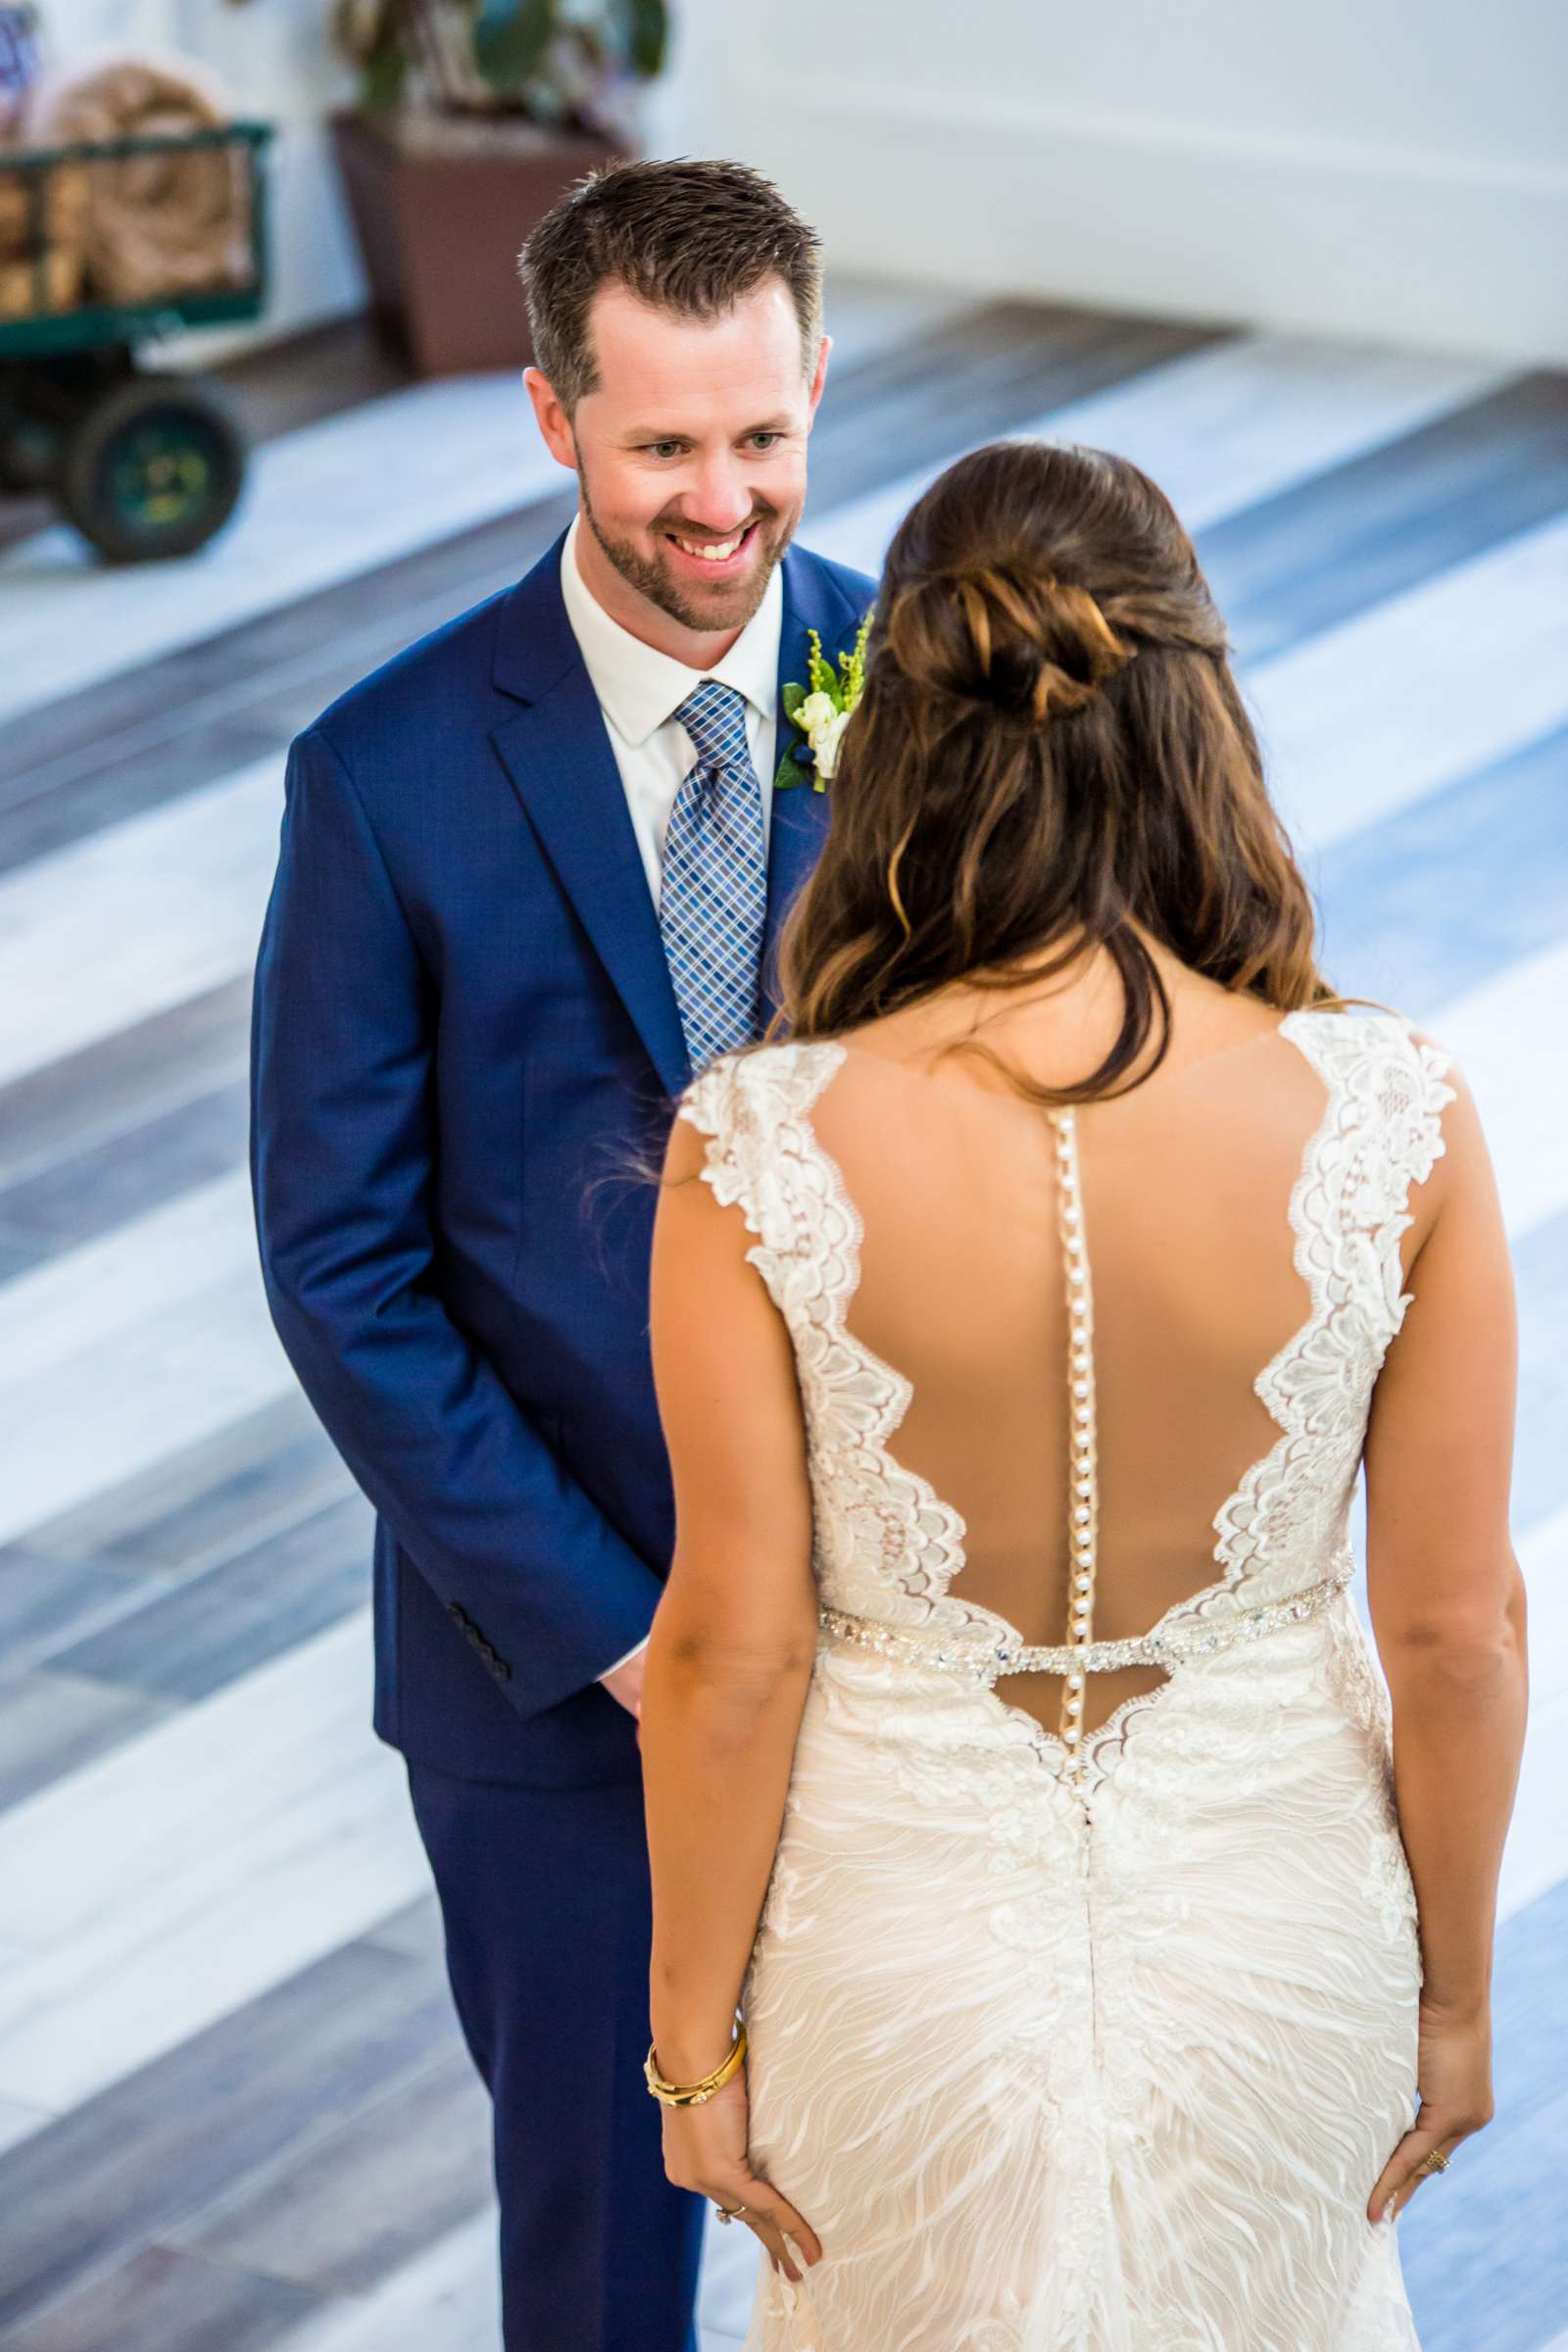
[532,873]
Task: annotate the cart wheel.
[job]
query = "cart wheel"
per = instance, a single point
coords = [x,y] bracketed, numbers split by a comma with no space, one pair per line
[154,468]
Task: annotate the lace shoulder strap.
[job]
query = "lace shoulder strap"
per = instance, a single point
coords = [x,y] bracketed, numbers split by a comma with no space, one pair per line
[753,1106]
[1382,1134]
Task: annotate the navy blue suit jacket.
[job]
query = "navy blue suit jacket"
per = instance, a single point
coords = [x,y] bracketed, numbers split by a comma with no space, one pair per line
[462,1013]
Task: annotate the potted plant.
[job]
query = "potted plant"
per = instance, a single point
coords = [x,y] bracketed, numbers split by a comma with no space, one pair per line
[474,117]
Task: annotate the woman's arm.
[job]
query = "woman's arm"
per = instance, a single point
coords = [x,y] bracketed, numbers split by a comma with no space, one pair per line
[1447,1601]
[728,1659]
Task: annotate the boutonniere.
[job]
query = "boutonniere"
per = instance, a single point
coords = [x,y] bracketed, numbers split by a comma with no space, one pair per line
[821,711]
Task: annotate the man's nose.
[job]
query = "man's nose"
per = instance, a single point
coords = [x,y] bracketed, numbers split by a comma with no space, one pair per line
[719,500]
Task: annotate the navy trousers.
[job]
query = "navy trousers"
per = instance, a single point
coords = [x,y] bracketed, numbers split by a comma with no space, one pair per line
[545,1897]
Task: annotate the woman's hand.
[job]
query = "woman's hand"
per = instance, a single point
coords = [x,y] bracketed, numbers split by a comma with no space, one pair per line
[1453,2075]
[704,2149]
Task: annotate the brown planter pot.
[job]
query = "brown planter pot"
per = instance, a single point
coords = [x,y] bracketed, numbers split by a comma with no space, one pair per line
[440,228]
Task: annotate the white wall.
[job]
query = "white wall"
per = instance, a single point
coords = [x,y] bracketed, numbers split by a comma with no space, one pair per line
[1387,169]
[1392,168]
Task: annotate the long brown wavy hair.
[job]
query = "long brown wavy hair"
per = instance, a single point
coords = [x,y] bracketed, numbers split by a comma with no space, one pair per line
[1049,756]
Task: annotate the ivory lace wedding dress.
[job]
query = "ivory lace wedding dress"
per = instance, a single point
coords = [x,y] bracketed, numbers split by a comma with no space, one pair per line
[1083,2008]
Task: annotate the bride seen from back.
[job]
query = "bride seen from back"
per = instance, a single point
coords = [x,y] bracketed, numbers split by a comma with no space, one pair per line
[1023,1311]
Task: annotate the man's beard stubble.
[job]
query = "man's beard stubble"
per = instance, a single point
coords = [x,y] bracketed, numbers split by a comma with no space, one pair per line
[639,572]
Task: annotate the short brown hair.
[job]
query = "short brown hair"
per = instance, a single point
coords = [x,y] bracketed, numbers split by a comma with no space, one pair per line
[1050,754]
[690,238]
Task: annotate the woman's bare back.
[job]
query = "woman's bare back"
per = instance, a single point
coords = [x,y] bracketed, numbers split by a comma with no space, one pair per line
[1186,1187]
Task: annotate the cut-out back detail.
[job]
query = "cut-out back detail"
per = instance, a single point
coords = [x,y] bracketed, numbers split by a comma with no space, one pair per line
[889,1547]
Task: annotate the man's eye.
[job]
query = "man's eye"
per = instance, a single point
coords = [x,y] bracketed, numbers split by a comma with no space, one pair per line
[770,438]
[661,448]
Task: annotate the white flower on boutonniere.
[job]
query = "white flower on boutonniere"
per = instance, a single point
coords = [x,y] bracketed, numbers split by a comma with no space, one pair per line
[824,722]
[822,708]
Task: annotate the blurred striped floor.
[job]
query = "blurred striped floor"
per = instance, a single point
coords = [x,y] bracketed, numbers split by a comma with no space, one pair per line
[233,2108]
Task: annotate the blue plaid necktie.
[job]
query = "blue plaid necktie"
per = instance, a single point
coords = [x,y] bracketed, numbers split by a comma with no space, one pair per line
[713,890]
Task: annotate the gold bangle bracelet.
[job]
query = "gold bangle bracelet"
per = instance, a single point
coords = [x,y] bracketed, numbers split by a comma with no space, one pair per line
[693,2094]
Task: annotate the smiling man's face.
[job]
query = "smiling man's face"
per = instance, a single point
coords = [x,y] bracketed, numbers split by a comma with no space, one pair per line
[691,462]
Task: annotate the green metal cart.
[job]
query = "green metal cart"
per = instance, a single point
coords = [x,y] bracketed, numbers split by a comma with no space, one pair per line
[145,463]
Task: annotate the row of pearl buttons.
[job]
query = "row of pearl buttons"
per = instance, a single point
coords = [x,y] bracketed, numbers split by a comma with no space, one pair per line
[1085,1505]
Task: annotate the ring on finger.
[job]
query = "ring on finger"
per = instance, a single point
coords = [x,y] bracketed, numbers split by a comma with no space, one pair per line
[1430,2163]
[727,2213]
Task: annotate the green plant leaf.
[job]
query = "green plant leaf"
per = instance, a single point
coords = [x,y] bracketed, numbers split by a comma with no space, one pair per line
[650,47]
[794,697]
[791,773]
[511,38]
[383,72]
[382,81]
[641,35]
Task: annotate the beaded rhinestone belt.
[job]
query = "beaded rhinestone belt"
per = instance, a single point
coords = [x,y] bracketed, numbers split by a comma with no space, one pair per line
[1188,1638]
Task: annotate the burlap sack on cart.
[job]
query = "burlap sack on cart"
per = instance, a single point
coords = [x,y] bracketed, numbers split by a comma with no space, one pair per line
[146,227]
[43,233]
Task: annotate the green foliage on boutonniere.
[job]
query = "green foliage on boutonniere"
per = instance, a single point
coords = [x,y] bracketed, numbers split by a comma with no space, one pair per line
[821,711]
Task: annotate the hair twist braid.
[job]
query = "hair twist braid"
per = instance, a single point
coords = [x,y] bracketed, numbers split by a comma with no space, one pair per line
[1030,647]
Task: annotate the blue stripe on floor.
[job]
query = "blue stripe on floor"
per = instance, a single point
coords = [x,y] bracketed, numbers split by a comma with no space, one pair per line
[1427,905]
[1421,908]
[1484,2245]
[1540,1275]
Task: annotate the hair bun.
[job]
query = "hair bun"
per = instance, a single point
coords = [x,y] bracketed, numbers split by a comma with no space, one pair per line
[1029,647]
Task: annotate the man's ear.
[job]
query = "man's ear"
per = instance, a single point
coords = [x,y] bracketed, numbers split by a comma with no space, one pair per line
[819,377]
[554,423]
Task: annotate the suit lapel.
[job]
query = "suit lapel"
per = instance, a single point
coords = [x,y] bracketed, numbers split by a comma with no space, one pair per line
[557,754]
[799,820]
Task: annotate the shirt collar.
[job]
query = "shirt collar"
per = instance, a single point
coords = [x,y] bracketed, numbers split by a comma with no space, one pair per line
[638,687]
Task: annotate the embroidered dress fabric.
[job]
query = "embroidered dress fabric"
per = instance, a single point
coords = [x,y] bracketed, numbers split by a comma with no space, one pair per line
[1086,2029]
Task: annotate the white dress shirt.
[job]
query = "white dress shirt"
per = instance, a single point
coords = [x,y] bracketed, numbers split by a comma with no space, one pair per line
[639,691]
